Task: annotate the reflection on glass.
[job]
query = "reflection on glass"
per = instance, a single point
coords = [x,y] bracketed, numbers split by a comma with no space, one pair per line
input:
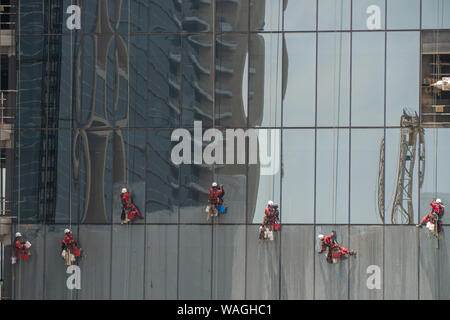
[392,166]
[368,14]
[197,16]
[232,15]
[334,14]
[264,177]
[164,60]
[402,77]
[437,174]
[403,14]
[162,185]
[365,150]
[298,176]
[196,86]
[231,80]
[31,16]
[368,79]
[332,176]
[300,15]
[266,15]
[333,90]
[299,69]
[265,74]
[436,14]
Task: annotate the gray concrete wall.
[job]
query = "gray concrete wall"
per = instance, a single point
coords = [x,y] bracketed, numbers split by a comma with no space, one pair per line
[228,261]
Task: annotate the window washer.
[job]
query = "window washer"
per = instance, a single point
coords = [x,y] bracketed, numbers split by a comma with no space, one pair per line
[20,248]
[435,215]
[215,200]
[70,249]
[129,210]
[270,221]
[335,251]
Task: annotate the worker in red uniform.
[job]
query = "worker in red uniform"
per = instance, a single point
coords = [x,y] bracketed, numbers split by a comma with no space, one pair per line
[129,210]
[69,243]
[331,243]
[216,194]
[436,213]
[271,215]
[21,247]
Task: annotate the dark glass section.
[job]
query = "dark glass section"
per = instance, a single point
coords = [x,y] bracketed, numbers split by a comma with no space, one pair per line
[162,178]
[232,15]
[33,16]
[197,16]
[196,84]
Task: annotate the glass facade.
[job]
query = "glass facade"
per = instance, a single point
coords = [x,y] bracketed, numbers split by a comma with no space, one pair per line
[329,80]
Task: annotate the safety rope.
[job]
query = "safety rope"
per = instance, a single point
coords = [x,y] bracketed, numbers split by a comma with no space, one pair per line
[336,113]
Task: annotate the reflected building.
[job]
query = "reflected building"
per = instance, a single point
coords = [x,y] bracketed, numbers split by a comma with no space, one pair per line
[96,108]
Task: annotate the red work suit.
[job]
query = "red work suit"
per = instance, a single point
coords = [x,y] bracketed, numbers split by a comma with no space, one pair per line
[129,207]
[69,242]
[18,247]
[271,216]
[215,196]
[438,211]
[327,242]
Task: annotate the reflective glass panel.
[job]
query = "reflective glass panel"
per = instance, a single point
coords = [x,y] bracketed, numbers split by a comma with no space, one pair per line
[365,150]
[333,79]
[299,70]
[265,79]
[300,15]
[266,15]
[403,14]
[232,15]
[334,14]
[367,79]
[332,177]
[298,176]
[435,14]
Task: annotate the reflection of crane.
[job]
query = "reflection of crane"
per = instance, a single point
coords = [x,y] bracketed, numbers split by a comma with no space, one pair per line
[411,135]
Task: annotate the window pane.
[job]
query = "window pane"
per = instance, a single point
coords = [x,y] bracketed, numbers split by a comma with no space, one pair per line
[231,80]
[368,14]
[437,174]
[265,79]
[298,176]
[197,16]
[299,93]
[165,16]
[32,16]
[332,176]
[266,15]
[333,90]
[435,66]
[436,14]
[300,15]
[403,14]
[334,15]
[232,15]
[264,177]
[368,79]
[364,175]
[196,85]
[397,177]
[402,78]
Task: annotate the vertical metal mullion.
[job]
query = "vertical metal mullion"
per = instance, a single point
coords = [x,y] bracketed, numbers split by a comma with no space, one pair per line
[247,150]
[420,120]
[384,134]
[281,142]
[350,144]
[315,145]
